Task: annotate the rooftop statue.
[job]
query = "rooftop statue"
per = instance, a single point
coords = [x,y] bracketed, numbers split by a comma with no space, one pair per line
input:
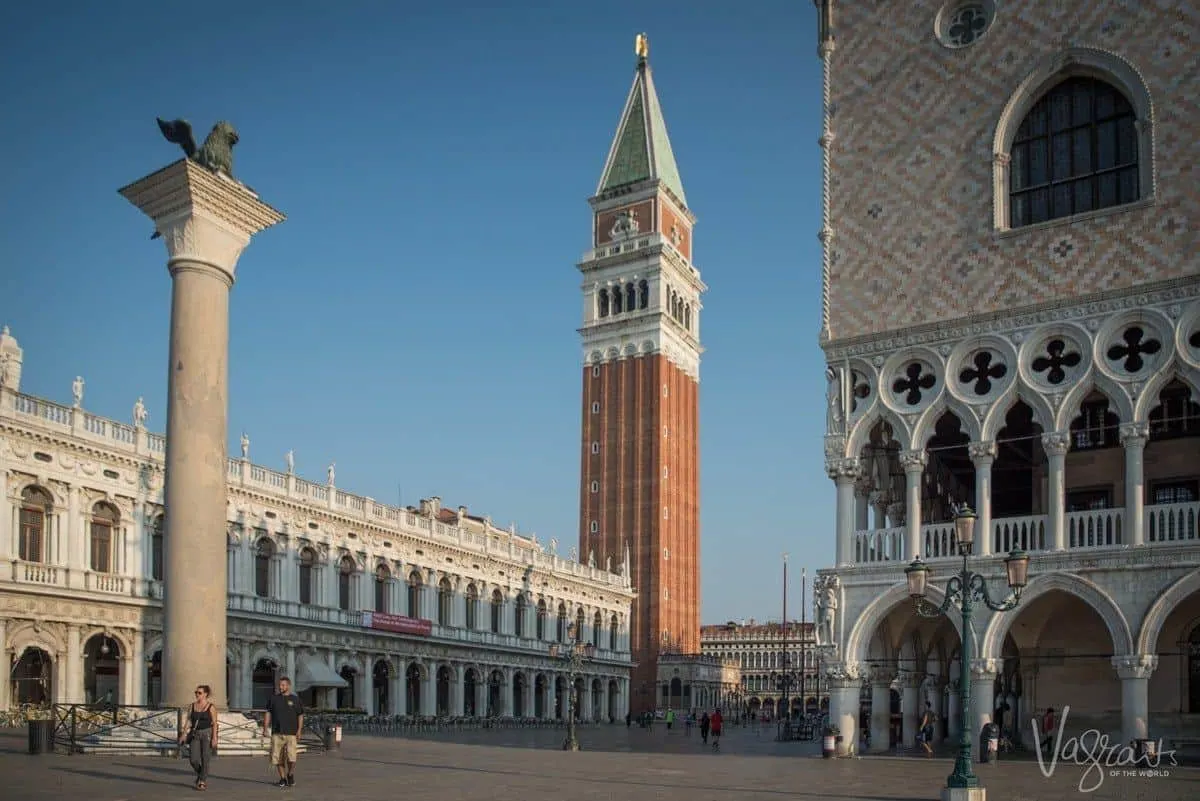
[215,154]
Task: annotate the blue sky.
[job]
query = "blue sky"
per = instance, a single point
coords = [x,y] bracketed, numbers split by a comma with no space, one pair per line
[415,317]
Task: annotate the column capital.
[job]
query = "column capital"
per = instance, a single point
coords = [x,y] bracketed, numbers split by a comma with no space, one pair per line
[1135,666]
[1056,443]
[913,461]
[982,669]
[911,680]
[982,453]
[1135,435]
[843,471]
[883,675]
[842,675]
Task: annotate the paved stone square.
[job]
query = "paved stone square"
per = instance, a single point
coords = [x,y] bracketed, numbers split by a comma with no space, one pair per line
[620,763]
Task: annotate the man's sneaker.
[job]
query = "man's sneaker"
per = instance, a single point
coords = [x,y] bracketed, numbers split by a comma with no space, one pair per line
[281,783]
[291,780]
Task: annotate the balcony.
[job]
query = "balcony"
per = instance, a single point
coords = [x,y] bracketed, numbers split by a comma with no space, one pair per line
[1091,530]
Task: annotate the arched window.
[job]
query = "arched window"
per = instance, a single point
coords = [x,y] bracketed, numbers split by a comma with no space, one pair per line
[519,615]
[445,602]
[541,620]
[630,296]
[617,300]
[383,579]
[414,594]
[308,562]
[157,533]
[1075,151]
[264,551]
[497,609]
[602,301]
[687,316]
[104,522]
[597,628]
[345,582]
[579,624]
[644,294]
[472,607]
[561,631]
[35,509]
[613,626]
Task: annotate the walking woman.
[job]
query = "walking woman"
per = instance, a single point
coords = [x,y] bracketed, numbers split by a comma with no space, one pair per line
[200,734]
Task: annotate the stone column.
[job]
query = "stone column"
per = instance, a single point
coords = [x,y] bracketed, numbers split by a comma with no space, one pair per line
[137,671]
[548,697]
[6,661]
[68,544]
[953,708]
[429,690]
[881,708]
[845,684]
[72,692]
[983,692]
[1134,437]
[913,463]
[983,455]
[363,690]
[844,473]
[935,694]
[396,688]
[911,708]
[1056,444]
[1134,671]
[862,504]
[206,220]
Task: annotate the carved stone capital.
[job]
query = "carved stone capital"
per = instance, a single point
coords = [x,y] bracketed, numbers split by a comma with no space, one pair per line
[883,675]
[842,675]
[911,680]
[1056,443]
[843,470]
[982,453]
[913,461]
[835,446]
[1135,435]
[1135,666]
[985,669]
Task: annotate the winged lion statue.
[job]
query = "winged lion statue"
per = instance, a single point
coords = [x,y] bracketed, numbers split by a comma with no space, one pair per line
[215,154]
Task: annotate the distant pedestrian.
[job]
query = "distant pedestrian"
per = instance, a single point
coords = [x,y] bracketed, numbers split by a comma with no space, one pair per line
[925,736]
[283,722]
[688,720]
[715,726]
[628,720]
[670,718]
[1047,728]
[200,734]
[704,724]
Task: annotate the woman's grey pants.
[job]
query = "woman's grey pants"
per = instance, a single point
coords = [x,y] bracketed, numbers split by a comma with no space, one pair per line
[201,753]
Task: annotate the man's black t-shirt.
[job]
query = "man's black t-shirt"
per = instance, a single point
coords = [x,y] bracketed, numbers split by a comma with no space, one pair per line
[285,711]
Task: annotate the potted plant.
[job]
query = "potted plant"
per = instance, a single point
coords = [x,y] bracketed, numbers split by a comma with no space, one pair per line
[829,739]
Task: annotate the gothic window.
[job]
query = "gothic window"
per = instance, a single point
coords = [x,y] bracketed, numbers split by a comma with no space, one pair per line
[595,486]
[595,527]
[1096,426]
[519,616]
[541,620]
[617,300]
[595,407]
[687,316]
[35,508]
[596,371]
[157,532]
[612,633]
[414,594]
[472,607]
[602,300]
[104,522]
[561,631]
[1177,415]
[1075,151]
[445,602]
[1089,500]
[630,296]
[597,628]
[497,610]
[383,578]
[643,294]
[345,582]
[264,551]
[1169,492]
[308,561]
[595,447]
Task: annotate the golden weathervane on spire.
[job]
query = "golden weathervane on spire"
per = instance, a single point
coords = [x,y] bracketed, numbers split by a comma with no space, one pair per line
[641,46]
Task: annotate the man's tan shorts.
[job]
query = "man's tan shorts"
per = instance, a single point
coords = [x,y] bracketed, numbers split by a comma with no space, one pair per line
[282,744]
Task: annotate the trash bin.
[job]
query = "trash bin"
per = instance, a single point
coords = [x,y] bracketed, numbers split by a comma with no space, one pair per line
[828,745]
[41,736]
[337,735]
[1145,750]
[328,738]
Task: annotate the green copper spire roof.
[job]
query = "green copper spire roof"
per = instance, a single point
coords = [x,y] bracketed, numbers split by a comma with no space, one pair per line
[642,150]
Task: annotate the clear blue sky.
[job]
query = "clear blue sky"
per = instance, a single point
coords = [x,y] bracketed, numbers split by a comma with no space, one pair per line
[415,318]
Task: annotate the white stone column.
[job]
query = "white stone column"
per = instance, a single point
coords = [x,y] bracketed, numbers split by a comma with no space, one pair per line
[983,455]
[9,538]
[68,542]
[913,463]
[1056,444]
[396,688]
[206,220]
[983,693]
[911,708]
[6,660]
[844,688]
[73,686]
[844,473]
[881,708]
[429,690]
[1134,671]
[953,710]
[548,697]
[363,691]
[862,505]
[137,669]
[1134,437]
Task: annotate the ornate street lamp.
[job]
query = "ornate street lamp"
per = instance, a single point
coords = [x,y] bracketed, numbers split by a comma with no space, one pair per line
[573,658]
[966,589]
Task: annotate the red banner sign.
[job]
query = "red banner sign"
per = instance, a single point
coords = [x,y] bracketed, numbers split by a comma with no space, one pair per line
[397,623]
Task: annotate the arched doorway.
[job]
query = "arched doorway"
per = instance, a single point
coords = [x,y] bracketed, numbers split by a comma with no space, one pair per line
[539,696]
[262,684]
[443,691]
[380,674]
[33,678]
[154,680]
[597,712]
[412,690]
[560,707]
[102,670]
[495,706]
[579,697]
[613,693]
[518,709]
[470,693]
[345,695]
[676,698]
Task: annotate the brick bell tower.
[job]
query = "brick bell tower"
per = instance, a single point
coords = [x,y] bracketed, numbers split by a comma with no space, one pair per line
[640,445]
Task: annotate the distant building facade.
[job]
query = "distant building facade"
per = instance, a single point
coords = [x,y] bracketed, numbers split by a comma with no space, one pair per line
[422,611]
[764,654]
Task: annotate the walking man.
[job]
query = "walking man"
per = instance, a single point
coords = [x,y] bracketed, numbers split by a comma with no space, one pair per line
[283,722]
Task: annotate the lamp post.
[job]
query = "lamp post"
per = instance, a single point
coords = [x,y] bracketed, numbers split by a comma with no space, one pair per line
[573,658]
[966,589]
[784,681]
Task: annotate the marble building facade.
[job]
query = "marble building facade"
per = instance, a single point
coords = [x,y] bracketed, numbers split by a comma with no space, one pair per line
[402,611]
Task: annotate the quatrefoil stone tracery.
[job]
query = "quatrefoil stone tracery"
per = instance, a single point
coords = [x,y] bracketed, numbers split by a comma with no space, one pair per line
[1135,345]
[985,368]
[1194,339]
[859,390]
[913,383]
[1059,357]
